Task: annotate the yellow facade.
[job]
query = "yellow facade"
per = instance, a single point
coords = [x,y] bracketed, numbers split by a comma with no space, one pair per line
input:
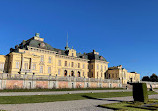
[34,56]
[119,73]
[3,59]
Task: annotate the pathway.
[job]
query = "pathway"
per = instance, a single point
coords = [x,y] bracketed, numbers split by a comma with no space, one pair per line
[75,105]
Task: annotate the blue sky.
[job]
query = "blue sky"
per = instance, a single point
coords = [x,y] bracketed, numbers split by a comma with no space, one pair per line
[123,31]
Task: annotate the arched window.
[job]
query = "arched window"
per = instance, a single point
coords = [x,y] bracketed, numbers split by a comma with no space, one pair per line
[105,75]
[79,75]
[65,73]
[72,73]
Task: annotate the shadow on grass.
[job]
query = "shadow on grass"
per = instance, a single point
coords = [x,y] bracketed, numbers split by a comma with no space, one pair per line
[146,108]
[153,107]
[88,97]
[109,107]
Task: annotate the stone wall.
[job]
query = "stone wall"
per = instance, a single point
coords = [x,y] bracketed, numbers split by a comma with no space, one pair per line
[19,81]
[149,84]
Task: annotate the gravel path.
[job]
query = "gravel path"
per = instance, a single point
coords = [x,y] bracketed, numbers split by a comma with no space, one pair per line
[56,92]
[75,105]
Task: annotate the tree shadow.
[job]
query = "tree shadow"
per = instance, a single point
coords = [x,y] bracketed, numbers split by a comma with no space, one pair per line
[109,107]
[146,108]
[88,97]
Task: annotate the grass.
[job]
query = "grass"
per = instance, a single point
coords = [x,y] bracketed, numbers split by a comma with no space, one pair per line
[66,89]
[64,97]
[132,106]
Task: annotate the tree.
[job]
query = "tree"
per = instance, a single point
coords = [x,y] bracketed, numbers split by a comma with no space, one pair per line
[154,78]
[145,78]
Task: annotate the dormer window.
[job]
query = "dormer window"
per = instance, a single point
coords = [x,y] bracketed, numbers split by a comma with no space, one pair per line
[42,45]
[59,52]
[101,58]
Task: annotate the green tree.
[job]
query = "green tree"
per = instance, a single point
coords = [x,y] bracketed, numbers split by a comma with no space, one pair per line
[154,78]
[145,78]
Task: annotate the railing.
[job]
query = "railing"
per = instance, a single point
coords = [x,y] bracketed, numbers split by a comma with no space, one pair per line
[5,76]
[26,70]
[149,82]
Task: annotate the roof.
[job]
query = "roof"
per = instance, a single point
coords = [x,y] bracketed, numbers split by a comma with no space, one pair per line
[35,43]
[40,44]
[92,56]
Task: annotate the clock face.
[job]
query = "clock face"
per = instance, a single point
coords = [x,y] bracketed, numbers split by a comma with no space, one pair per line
[42,45]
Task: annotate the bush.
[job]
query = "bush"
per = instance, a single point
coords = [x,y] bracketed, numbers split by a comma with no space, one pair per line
[140,92]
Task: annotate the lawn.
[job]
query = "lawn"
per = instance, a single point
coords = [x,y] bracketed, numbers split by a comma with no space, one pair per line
[64,97]
[66,89]
[132,106]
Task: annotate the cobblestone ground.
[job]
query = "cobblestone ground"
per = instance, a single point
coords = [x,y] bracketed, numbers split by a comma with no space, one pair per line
[76,105]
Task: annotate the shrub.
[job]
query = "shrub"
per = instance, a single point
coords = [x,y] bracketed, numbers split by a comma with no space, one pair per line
[140,92]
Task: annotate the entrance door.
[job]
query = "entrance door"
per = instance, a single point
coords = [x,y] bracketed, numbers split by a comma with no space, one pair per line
[131,80]
[29,85]
[72,85]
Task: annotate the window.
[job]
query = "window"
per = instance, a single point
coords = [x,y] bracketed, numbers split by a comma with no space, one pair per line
[49,60]
[58,71]
[26,66]
[34,67]
[97,67]
[105,67]
[78,65]
[83,74]
[65,63]
[124,75]
[42,58]
[1,66]
[59,62]
[101,68]
[97,75]
[72,73]
[83,66]
[41,69]
[49,69]
[17,64]
[72,54]
[72,64]
[92,66]
[92,74]
[65,73]
[79,74]
[101,75]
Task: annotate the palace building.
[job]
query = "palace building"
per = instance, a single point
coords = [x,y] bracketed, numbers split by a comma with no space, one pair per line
[119,73]
[35,57]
